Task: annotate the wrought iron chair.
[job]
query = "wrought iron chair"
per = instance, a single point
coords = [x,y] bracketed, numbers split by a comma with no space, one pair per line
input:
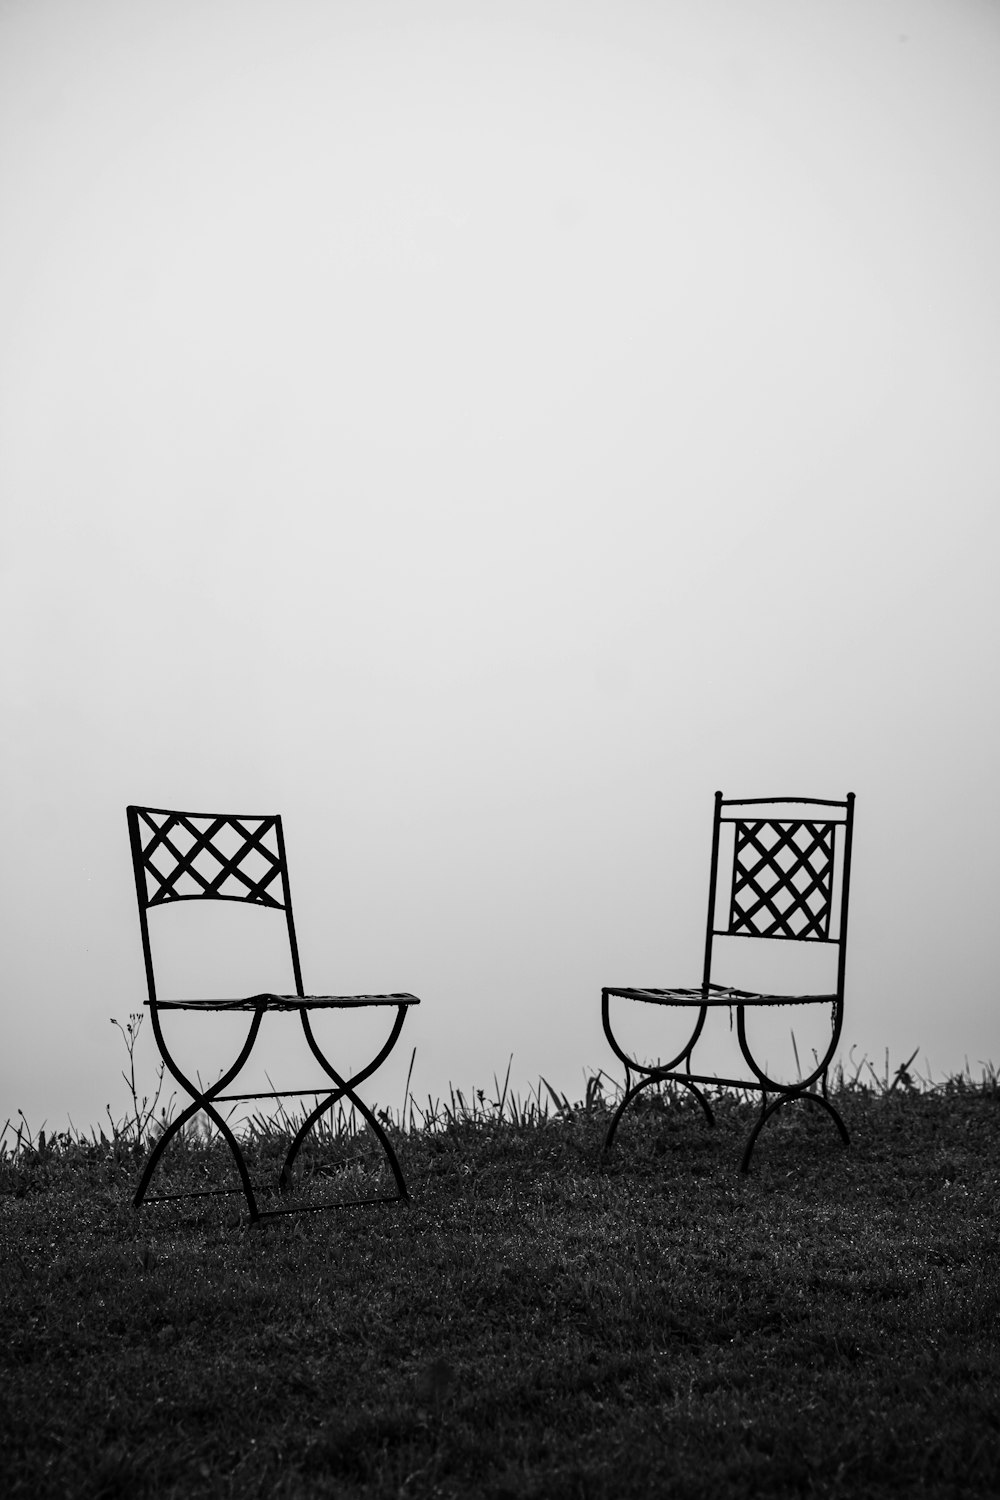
[789,881]
[179,856]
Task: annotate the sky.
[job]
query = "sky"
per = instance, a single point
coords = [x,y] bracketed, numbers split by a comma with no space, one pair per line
[478,432]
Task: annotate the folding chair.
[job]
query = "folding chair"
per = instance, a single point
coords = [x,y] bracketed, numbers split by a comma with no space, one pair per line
[179,856]
[788,881]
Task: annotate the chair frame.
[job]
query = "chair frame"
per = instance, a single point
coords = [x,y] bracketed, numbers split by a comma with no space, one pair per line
[764,919]
[148,836]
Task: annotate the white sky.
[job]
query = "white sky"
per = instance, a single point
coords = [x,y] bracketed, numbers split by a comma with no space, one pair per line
[477,432]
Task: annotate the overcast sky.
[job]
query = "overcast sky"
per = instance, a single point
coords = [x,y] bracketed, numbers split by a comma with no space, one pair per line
[477,432]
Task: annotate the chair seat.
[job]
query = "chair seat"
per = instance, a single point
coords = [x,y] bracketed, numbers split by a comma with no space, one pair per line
[718,994]
[269,1001]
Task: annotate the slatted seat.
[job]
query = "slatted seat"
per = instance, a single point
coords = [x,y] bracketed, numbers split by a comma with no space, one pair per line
[182,856]
[789,880]
[289,1002]
[717,994]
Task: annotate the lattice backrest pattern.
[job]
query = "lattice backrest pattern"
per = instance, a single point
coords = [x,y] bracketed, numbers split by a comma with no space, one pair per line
[186,856]
[782,879]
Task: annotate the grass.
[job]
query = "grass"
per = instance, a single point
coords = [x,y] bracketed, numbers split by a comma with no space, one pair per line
[535,1324]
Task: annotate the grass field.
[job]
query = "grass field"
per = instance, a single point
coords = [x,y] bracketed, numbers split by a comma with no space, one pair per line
[534,1324]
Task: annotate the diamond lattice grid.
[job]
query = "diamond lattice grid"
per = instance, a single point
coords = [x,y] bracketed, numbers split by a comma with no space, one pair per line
[782,879]
[187,856]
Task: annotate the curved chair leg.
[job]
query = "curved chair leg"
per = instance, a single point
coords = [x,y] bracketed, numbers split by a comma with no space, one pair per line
[284,1178]
[652,1075]
[629,1095]
[345,1089]
[167,1137]
[637,1089]
[772,1109]
[201,1101]
[158,1150]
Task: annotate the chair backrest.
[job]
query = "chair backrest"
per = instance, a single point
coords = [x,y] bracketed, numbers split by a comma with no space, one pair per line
[789,871]
[183,856]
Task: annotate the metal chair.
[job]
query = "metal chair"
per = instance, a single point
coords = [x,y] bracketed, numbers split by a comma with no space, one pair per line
[789,880]
[181,856]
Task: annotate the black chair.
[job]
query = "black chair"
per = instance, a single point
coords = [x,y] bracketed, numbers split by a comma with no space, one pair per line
[178,856]
[789,877]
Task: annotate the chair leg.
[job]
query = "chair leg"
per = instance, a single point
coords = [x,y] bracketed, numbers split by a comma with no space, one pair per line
[203,1102]
[637,1088]
[767,1110]
[158,1150]
[667,1072]
[345,1089]
[171,1130]
[284,1178]
[630,1094]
